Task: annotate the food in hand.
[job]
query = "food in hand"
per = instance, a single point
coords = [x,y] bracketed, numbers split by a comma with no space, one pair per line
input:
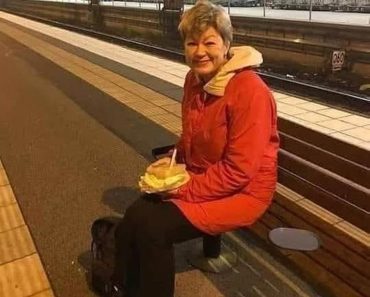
[162,176]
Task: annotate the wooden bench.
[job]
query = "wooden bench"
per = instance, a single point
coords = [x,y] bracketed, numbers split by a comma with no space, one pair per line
[324,187]
[341,265]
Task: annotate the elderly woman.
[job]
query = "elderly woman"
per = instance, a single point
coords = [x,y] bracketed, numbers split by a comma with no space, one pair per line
[229,145]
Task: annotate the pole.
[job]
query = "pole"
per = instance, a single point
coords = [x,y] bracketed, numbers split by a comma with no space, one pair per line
[310,14]
[228,6]
[264,8]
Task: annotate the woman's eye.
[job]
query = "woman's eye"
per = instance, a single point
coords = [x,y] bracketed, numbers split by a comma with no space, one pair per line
[190,43]
[210,43]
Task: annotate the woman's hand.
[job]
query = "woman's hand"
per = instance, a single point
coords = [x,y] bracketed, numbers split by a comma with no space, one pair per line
[172,192]
[154,168]
[167,194]
[163,162]
[175,191]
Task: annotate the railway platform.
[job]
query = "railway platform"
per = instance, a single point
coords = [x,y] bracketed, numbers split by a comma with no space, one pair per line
[78,117]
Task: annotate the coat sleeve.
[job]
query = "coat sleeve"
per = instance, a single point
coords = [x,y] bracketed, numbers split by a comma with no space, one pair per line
[250,120]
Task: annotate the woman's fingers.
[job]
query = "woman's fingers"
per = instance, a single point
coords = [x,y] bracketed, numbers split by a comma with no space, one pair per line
[154,167]
[145,188]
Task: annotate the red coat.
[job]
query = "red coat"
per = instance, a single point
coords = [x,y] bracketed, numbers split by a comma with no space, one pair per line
[229,144]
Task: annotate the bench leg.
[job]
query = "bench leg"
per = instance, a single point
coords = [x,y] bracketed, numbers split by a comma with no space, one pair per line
[213,258]
[212,246]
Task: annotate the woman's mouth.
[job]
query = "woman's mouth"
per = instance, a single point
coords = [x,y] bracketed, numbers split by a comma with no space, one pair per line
[202,62]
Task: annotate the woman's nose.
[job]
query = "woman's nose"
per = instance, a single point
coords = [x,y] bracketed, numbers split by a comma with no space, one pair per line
[200,50]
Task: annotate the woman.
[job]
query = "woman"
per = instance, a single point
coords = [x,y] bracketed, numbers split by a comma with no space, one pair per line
[229,145]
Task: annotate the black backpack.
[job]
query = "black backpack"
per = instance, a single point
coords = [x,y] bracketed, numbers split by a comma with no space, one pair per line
[102,253]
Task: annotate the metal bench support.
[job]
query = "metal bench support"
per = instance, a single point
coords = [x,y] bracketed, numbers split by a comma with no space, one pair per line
[213,258]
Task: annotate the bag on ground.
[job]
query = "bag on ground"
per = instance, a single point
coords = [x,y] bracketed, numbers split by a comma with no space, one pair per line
[102,252]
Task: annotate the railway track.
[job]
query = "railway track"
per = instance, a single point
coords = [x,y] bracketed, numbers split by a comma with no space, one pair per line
[276,78]
[352,101]
[335,97]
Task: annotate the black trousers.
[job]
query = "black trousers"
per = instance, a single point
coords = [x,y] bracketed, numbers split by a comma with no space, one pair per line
[144,246]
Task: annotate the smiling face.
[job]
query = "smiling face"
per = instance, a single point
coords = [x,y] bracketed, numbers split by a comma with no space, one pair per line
[206,53]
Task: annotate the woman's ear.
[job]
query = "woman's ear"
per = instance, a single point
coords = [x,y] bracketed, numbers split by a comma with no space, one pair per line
[227,53]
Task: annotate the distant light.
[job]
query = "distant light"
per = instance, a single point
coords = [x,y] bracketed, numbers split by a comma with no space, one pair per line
[297,40]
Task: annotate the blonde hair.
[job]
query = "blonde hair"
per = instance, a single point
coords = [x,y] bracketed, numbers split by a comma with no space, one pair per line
[203,15]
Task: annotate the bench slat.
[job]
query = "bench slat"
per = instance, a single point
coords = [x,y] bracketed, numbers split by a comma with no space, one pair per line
[322,277]
[337,186]
[325,159]
[326,142]
[339,207]
[328,224]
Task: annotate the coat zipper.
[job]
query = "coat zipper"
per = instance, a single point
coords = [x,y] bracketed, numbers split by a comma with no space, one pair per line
[196,126]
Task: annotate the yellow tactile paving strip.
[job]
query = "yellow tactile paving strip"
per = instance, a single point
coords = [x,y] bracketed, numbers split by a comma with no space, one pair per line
[135,96]
[23,277]
[21,271]
[6,195]
[161,110]
[15,244]
[3,177]
[10,217]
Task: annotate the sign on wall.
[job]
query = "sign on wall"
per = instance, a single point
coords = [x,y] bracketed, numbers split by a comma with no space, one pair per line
[337,60]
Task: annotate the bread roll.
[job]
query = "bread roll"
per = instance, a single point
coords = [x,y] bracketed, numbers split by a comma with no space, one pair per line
[164,171]
[161,176]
